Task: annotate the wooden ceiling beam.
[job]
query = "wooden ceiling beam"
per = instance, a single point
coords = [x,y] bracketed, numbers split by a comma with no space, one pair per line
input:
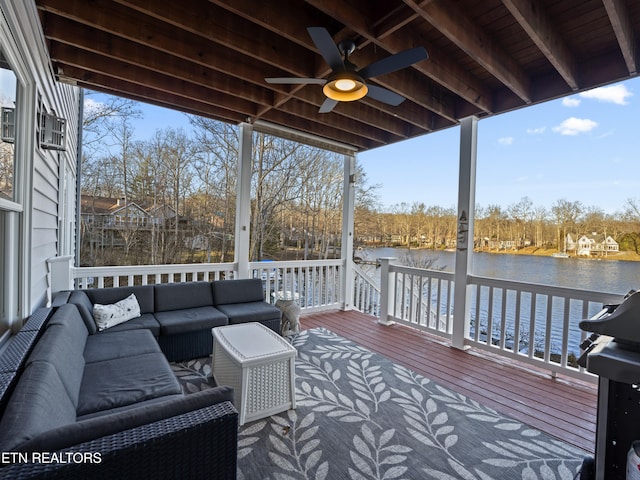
[169,12]
[305,124]
[440,70]
[66,32]
[452,22]
[89,65]
[283,24]
[222,32]
[363,113]
[621,23]
[534,20]
[116,48]
[145,94]
[70,60]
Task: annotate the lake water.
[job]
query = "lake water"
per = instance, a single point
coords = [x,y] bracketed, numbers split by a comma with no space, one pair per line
[608,276]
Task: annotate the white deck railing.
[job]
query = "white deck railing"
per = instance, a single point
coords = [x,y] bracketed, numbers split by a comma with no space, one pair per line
[536,324]
[125,275]
[316,285]
[533,323]
[366,293]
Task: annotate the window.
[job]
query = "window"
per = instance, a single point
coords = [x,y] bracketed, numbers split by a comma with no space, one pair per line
[10,207]
[7,101]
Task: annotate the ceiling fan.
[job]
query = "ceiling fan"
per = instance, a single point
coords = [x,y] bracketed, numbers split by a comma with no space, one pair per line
[346,82]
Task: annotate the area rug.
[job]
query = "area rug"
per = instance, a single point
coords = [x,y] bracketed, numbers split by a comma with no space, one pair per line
[360,416]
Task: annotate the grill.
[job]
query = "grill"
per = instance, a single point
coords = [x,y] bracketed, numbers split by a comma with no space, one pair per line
[613,353]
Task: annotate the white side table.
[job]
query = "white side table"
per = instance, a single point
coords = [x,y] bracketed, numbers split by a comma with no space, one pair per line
[259,365]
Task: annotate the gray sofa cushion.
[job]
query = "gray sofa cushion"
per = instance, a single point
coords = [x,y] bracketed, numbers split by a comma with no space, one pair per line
[250,312]
[124,381]
[68,316]
[146,321]
[190,319]
[178,296]
[62,345]
[85,430]
[39,403]
[82,302]
[237,291]
[108,345]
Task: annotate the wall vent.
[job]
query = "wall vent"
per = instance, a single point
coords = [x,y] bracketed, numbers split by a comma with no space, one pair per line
[52,132]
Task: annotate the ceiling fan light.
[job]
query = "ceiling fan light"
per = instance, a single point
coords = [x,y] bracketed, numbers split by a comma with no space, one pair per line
[345,87]
[345,84]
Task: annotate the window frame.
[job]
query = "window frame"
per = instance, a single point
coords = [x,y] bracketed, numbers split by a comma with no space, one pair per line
[15,214]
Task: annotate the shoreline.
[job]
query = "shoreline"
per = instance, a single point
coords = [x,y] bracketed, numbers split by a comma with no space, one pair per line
[624,256]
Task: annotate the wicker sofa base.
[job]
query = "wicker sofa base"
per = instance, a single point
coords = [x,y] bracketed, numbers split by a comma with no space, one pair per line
[181,346]
[195,445]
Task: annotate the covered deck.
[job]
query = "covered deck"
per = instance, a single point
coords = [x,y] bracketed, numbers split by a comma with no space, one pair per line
[485,58]
[560,406]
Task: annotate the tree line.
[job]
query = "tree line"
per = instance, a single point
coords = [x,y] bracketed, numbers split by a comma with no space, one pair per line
[296,199]
[518,225]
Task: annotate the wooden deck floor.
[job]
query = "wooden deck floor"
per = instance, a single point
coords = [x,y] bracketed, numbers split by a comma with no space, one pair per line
[562,407]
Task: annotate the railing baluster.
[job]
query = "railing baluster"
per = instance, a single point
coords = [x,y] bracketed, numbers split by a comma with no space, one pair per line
[532,326]
[476,335]
[503,319]
[547,337]
[516,327]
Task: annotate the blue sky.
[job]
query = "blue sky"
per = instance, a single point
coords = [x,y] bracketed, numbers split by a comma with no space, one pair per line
[580,148]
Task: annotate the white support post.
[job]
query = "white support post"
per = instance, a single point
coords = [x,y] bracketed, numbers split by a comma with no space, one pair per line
[387,289]
[464,245]
[60,277]
[243,202]
[348,210]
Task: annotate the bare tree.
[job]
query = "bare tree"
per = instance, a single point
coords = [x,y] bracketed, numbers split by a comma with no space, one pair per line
[566,214]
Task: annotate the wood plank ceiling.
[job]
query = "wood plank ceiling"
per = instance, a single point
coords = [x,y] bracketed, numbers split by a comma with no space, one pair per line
[210,57]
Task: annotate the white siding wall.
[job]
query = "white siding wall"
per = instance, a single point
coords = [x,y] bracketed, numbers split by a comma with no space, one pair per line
[44,212]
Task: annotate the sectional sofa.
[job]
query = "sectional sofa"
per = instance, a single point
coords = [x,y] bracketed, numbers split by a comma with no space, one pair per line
[181,315]
[77,402]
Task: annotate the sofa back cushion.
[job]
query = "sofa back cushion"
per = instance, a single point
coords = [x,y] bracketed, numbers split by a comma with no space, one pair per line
[178,296]
[105,296]
[237,291]
[62,346]
[39,403]
[80,299]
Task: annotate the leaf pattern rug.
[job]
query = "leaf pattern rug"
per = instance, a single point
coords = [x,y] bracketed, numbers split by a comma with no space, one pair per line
[360,416]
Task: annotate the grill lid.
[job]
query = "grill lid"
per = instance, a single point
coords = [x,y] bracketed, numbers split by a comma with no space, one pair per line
[623,324]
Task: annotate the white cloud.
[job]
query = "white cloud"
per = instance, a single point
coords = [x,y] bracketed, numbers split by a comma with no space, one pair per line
[536,131]
[570,102]
[575,126]
[90,105]
[505,141]
[617,94]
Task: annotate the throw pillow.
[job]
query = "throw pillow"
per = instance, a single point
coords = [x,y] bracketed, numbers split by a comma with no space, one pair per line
[107,316]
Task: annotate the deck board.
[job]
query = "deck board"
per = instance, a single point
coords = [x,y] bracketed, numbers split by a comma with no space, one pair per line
[562,407]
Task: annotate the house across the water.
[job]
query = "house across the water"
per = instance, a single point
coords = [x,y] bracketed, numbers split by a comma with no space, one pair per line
[592,244]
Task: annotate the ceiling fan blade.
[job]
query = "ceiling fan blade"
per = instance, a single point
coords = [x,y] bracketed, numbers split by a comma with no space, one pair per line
[325,44]
[394,62]
[385,96]
[295,81]
[327,105]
